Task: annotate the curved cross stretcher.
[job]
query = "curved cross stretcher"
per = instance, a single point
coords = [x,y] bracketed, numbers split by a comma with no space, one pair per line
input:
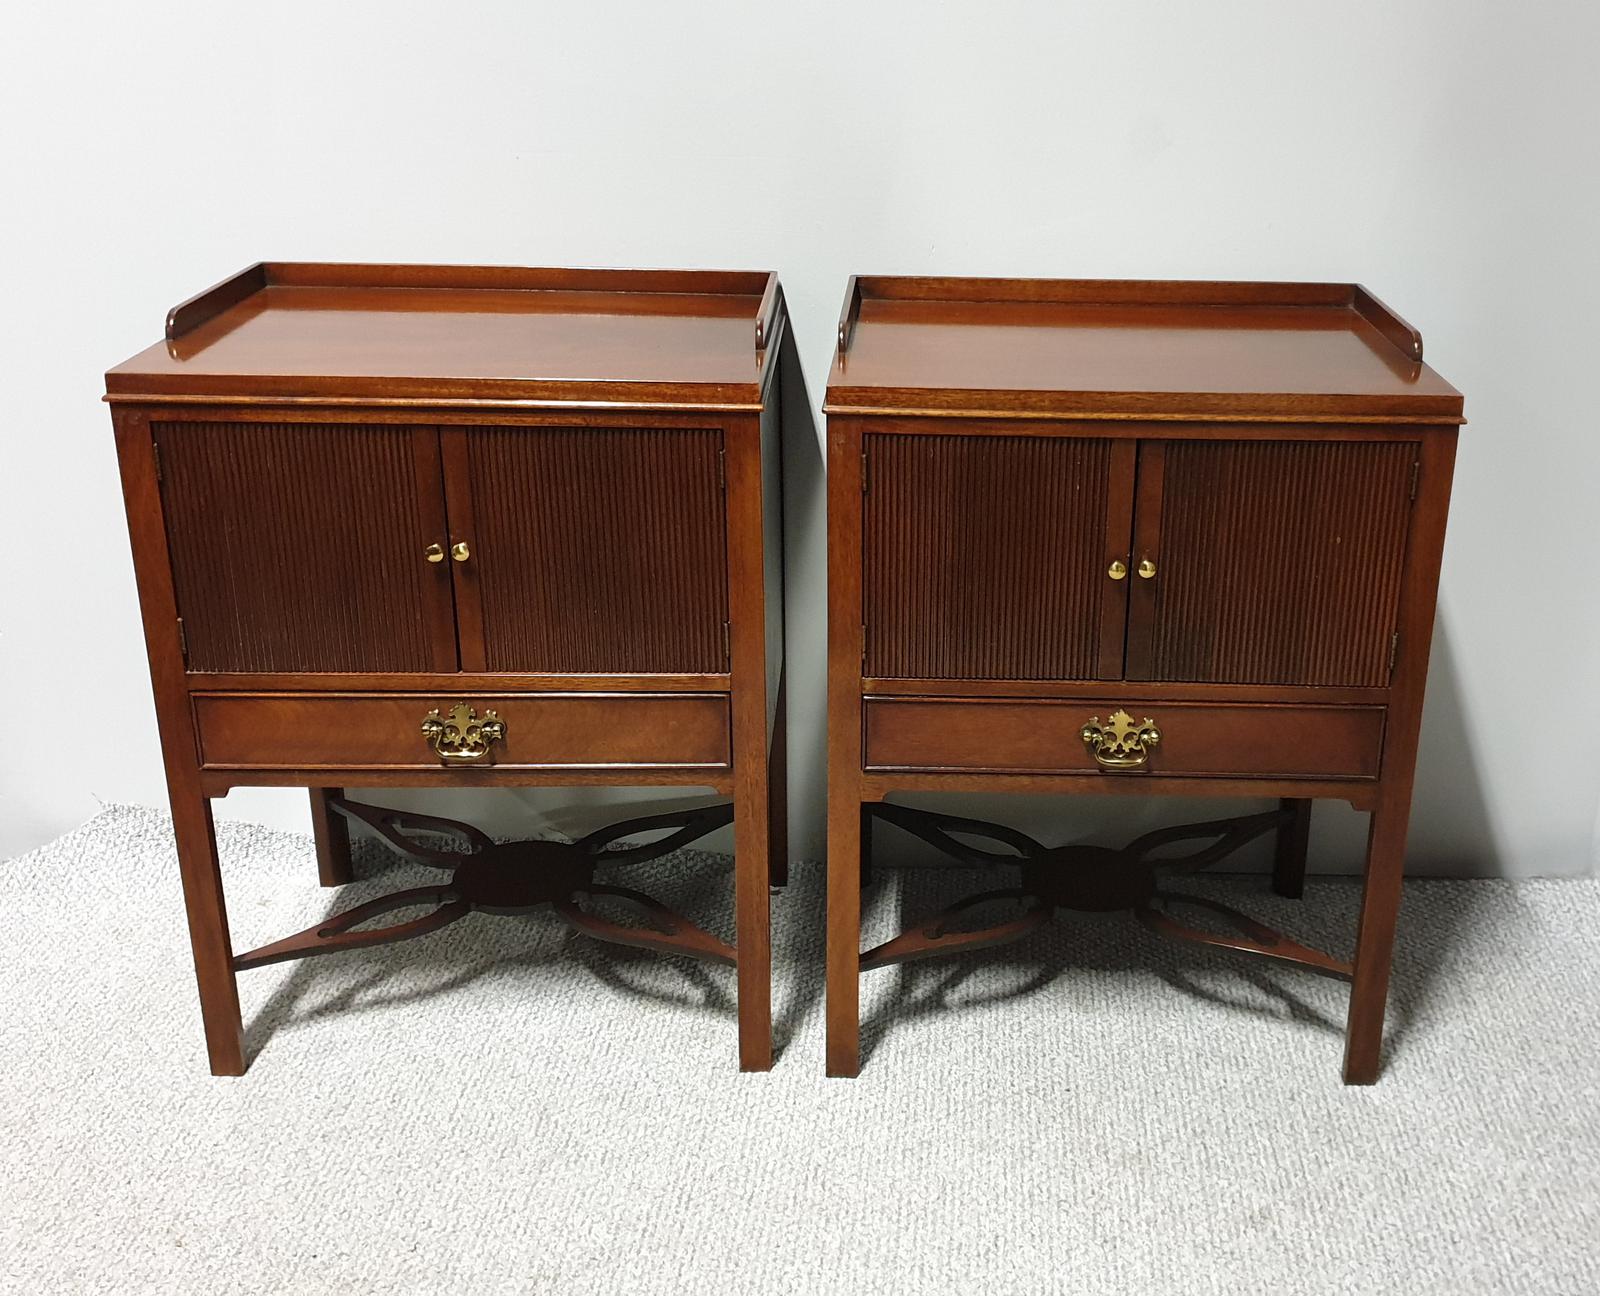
[509,878]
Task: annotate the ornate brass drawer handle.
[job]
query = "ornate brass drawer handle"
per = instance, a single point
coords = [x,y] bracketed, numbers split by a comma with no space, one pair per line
[461,737]
[1122,742]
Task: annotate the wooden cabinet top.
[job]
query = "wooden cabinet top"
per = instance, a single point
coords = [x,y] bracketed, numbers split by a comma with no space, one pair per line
[690,339]
[1083,348]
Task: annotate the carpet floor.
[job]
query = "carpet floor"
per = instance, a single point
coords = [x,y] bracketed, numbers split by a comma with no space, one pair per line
[508,1106]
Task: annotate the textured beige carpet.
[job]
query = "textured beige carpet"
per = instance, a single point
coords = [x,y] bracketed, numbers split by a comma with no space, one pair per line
[509,1107]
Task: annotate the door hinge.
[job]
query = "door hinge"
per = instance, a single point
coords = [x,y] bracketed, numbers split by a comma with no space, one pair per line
[727,643]
[155,453]
[722,469]
[1416,472]
[864,473]
[183,640]
[1394,650]
[863,643]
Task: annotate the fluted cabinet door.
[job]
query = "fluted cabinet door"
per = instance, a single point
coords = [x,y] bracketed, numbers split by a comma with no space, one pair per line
[1276,562]
[302,548]
[592,550]
[987,557]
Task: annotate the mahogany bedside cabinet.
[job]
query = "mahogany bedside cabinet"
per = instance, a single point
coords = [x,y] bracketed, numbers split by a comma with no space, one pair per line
[1122,537]
[421,526]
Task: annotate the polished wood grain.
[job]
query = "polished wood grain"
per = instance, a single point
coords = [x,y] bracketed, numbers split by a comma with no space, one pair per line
[674,337]
[219,782]
[462,681]
[294,550]
[373,731]
[1288,460]
[749,506]
[1359,794]
[1314,531]
[1118,348]
[198,866]
[955,527]
[629,575]
[1386,838]
[845,790]
[1043,736]
[605,445]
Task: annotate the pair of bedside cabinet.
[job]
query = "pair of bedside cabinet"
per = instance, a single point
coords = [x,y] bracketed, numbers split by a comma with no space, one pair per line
[402,526]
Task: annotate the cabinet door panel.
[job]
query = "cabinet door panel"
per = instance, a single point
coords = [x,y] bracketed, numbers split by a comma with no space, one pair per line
[986,556]
[594,550]
[1278,562]
[300,547]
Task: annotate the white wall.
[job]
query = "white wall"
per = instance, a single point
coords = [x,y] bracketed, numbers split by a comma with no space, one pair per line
[1443,153]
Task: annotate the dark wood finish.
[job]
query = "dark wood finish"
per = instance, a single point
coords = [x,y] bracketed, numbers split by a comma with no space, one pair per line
[1359,794]
[190,315]
[628,576]
[603,443]
[295,551]
[1093,878]
[1289,860]
[769,314]
[754,728]
[454,681]
[1207,739]
[195,834]
[845,605]
[1315,531]
[1386,838]
[1096,348]
[543,730]
[848,313]
[1406,338]
[332,837]
[1279,462]
[955,526]
[512,878]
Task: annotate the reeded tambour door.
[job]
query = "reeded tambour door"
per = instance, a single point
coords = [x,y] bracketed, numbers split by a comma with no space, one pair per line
[1272,562]
[303,547]
[590,550]
[991,557]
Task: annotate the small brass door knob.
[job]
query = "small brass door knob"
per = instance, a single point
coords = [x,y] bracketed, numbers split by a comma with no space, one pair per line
[459,551]
[1118,569]
[1147,569]
[434,553]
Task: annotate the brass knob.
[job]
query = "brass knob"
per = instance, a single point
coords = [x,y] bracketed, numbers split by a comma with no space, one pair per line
[434,553]
[459,551]
[1118,569]
[1147,569]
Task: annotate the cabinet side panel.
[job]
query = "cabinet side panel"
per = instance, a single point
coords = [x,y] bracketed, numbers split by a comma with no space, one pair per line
[299,547]
[600,549]
[984,556]
[1280,562]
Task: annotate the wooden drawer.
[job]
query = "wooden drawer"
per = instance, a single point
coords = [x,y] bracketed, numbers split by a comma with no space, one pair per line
[1044,736]
[384,731]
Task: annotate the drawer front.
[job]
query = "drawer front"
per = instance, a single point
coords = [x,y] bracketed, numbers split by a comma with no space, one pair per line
[385,731]
[1046,736]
